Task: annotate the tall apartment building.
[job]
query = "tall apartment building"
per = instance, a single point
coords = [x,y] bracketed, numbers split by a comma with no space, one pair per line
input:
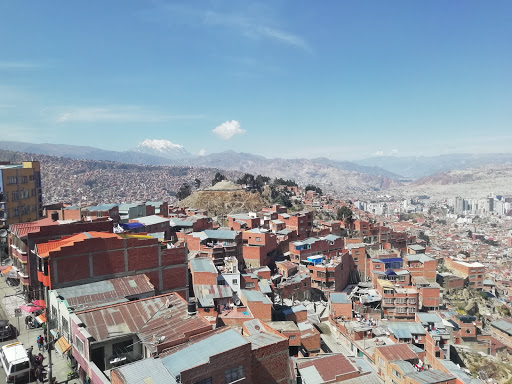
[21,199]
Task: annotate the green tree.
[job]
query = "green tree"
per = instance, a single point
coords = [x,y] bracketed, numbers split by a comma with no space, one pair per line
[197,182]
[183,192]
[218,177]
[311,187]
[344,213]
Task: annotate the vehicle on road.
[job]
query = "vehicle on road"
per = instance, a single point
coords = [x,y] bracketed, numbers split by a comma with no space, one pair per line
[6,331]
[15,361]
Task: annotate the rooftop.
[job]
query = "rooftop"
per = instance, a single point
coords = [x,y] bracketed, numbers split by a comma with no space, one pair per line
[198,353]
[151,220]
[94,295]
[44,249]
[202,264]
[162,316]
[259,336]
[325,368]
[397,352]
[252,296]
[339,298]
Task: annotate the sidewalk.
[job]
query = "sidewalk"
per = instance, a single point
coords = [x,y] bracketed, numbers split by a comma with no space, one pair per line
[10,298]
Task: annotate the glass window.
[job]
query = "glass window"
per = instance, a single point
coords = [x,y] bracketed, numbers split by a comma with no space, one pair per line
[234,374]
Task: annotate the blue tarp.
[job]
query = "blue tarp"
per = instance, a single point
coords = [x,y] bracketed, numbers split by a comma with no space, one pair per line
[132,225]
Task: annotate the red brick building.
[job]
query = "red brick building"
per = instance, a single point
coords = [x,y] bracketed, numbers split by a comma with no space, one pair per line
[258,247]
[93,256]
[219,356]
[328,246]
[269,353]
[23,238]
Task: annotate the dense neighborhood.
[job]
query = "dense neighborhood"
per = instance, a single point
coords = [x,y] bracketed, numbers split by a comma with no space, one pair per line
[383,290]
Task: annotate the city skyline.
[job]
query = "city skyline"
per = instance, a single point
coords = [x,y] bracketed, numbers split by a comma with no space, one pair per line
[344,80]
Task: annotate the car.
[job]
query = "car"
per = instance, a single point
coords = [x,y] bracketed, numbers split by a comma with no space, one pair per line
[5,330]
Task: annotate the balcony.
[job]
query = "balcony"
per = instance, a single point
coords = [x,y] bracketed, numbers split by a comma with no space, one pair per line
[24,279]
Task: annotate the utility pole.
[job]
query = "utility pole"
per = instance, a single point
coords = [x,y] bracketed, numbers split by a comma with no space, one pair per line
[48,335]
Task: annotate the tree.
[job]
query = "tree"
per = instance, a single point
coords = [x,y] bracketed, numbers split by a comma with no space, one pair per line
[197,182]
[344,213]
[424,237]
[218,177]
[246,179]
[311,187]
[183,192]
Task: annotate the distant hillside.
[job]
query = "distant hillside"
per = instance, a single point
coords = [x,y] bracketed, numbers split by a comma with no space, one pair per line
[84,152]
[471,183]
[421,166]
[332,176]
[95,182]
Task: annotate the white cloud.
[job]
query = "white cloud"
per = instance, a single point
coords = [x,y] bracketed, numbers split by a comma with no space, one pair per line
[119,114]
[248,22]
[19,65]
[228,129]
[393,152]
[202,152]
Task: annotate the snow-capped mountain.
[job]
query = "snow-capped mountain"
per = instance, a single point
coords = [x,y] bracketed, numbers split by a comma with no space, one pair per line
[163,148]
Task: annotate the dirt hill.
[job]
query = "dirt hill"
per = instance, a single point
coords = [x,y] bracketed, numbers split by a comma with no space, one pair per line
[219,203]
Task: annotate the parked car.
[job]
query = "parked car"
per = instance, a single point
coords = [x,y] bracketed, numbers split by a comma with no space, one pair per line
[5,330]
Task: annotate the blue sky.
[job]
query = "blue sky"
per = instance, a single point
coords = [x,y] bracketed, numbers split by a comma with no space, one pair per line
[343,79]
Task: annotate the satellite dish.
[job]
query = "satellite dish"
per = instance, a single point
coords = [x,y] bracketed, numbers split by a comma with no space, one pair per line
[3,233]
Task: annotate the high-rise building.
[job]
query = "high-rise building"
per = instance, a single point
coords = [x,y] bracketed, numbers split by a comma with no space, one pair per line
[21,198]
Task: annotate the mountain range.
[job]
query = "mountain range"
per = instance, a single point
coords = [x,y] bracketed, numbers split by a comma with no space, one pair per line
[372,174]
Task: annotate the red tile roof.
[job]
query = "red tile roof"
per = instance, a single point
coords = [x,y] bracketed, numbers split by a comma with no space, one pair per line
[23,229]
[44,249]
[397,352]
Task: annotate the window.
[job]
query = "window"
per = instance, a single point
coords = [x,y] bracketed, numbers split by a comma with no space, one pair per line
[412,301]
[12,180]
[400,301]
[258,239]
[79,345]
[234,374]
[235,281]
[24,179]
[381,362]
[15,195]
[33,192]
[356,259]
[204,381]
[65,326]
[25,210]
[397,374]
[388,301]
[249,285]
[16,211]
[401,309]
[54,312]
[377,266]
[292,337]
[99,214]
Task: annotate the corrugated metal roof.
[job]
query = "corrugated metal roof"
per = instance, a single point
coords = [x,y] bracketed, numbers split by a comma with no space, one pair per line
[200,352]
[339,298]
[144,317]
[430,376]
[503,325]
[94,295]
[255,296]
[427,318]
[202,264]
[397,352]
[146,371]
[100,208]
[220,234]
[151,220]
[327,368]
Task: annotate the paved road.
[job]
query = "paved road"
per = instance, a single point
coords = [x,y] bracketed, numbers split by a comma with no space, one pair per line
[10,299]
